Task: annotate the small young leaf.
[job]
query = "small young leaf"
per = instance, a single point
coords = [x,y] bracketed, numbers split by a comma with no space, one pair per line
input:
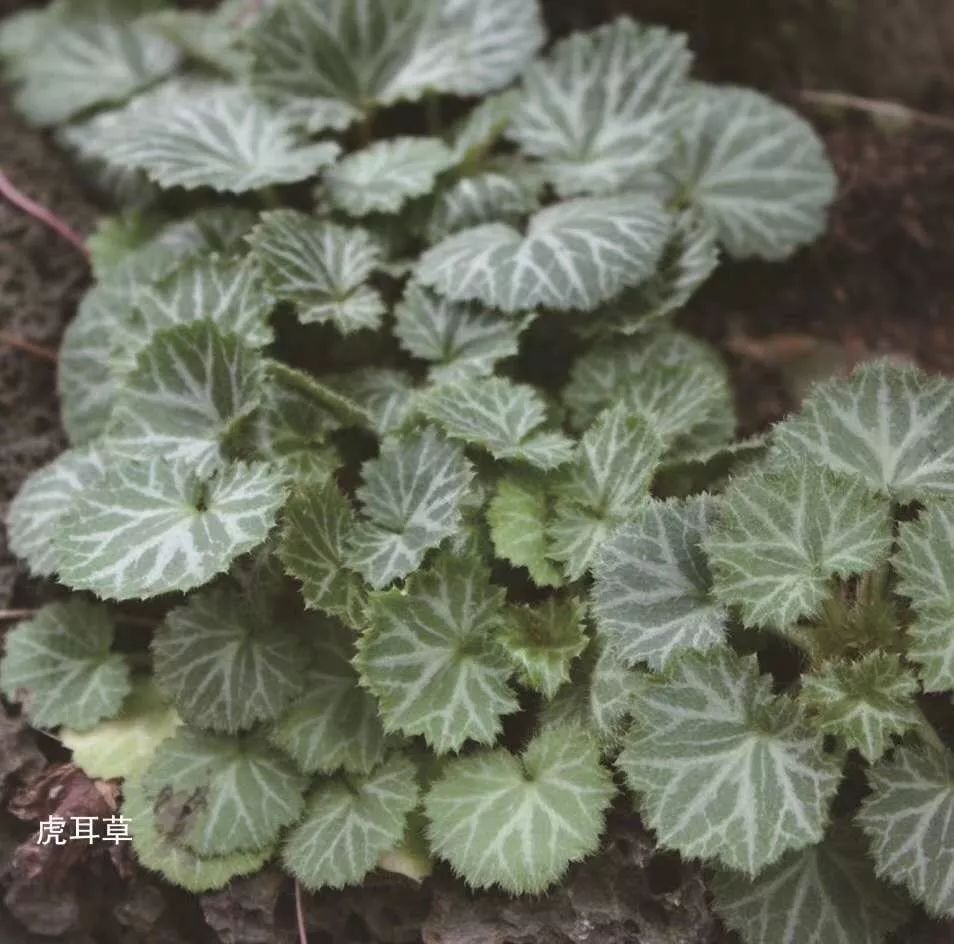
[481,128]
[384,176]
[154,527]
[226,664]
[542,641]
[518,822]
[217,795]
[502,417]
[335,724]
[60,666]
[43,500]
[321,268]
[459,340]
[348,824]
[825,894]
[783,534]
[925,567]
[574,255]
[754,169]
[601,110]
[412,497]
[892,427]
[317,524]
[430,657]
[909,821]
[191,387]
[864,702]
[651,595]
[723,768]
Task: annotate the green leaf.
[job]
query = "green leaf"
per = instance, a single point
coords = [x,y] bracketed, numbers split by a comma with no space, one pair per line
[723,768]
[890,426]
[388,396]
[349,823]
[754,169]
[605,485]
[382,177]
[190,389]
[216,794]
[652,590]
[542,641]
[384,51]
[459,340]
[124,747]
[176,863]
[863,702]
[909,820]
[335,724]
[154,527]
[315,531]
[519,821]
[59,664]
[412,496]
[825,894]
[500,416]
[89,54]
[473,136]
[925,568]
[43,500]
[574,255]
[216,136]
[518,515]
[601,110]
[228,664]
[429,655]
[321,268]
[783,534]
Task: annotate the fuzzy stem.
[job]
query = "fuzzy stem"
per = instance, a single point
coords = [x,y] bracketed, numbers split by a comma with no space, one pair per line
[300,915]
[11,615]
[41,213]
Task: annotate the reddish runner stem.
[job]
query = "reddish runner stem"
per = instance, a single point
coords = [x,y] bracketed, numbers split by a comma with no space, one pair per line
[41,213]
[300,914]
[21,344]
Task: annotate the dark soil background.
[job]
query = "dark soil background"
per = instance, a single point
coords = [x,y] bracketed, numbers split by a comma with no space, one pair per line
[880,282]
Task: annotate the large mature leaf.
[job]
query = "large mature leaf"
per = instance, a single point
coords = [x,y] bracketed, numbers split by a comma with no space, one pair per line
[226,664]
[335,724]
[909,821]
[382,51]
[503,417]
[651,596]
[890,426]
[60,666]
[412,496]
[754,169]
[208,136]
[321,268]
[42,501]
[191,388]
[180,865]
[519,821]
[88,54]
[317,523]
[542,641]
[574,255]
[863,702]
[517,516]
[605,485]
[385,175]
[349,823]
[217,794]
[825,894]
[783,534]
[602,109]
[154,527]
[124,746]
[430,657]
[459,340]
[925,565]
[723,768]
